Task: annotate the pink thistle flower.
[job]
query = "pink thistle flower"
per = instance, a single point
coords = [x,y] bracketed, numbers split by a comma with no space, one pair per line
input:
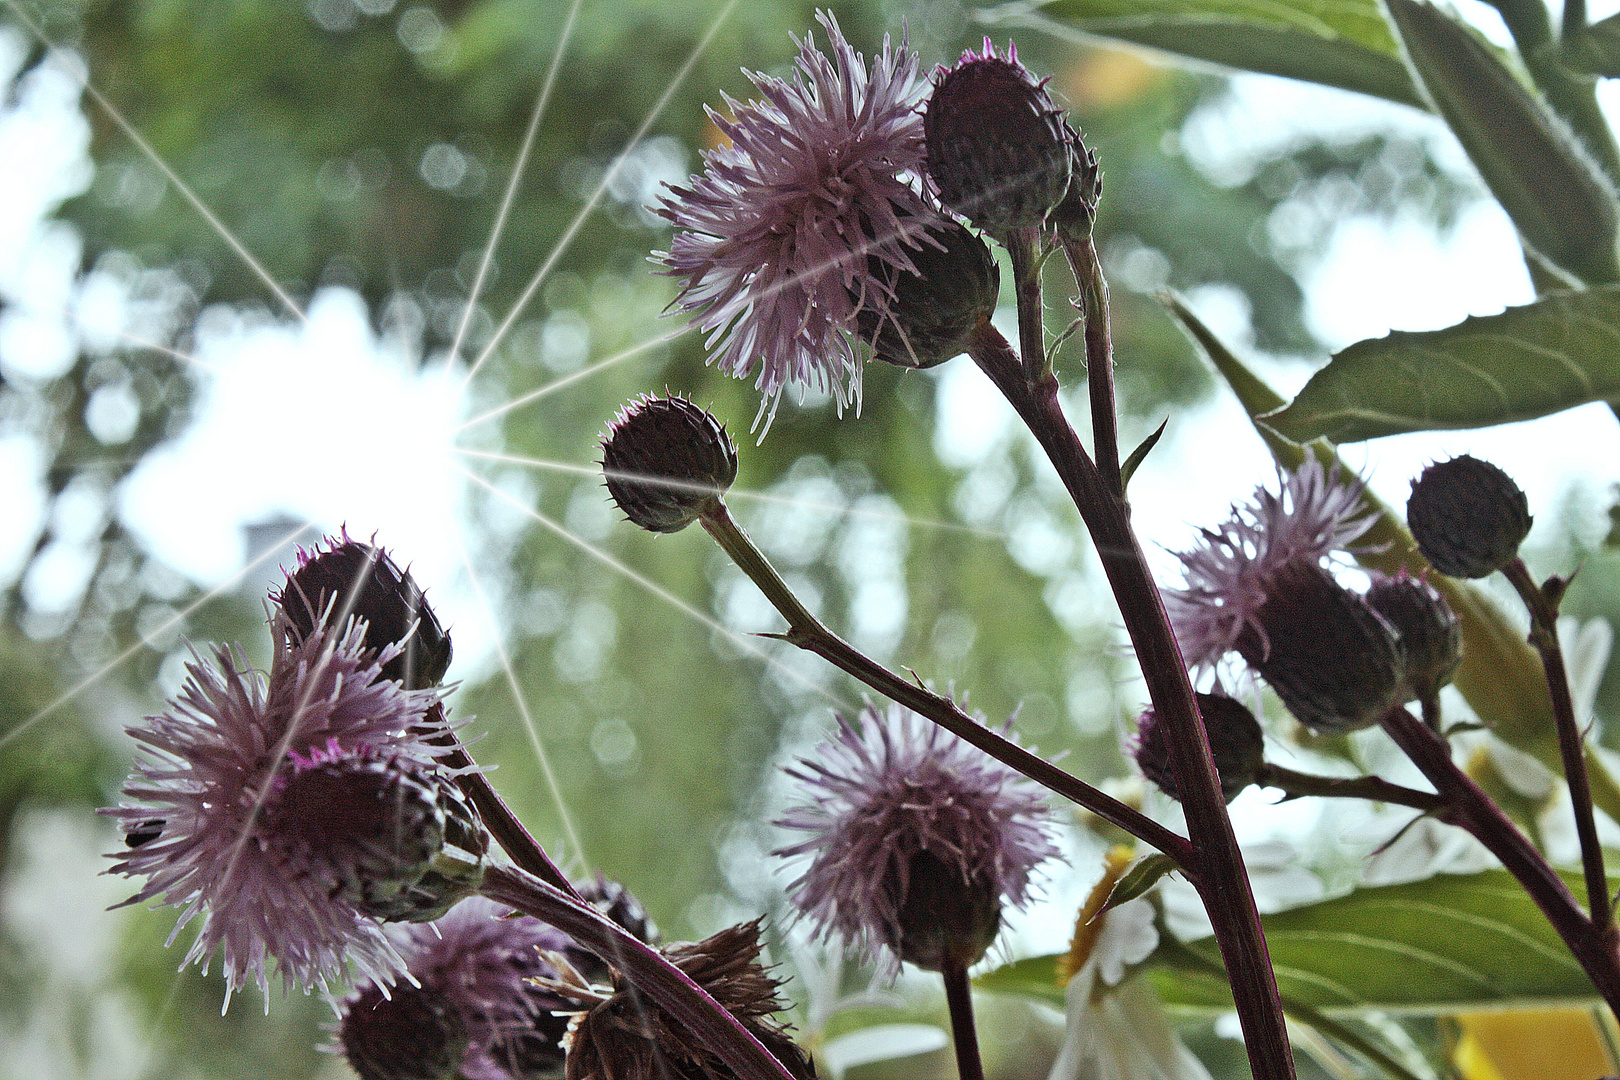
[894,798]
[1232,573]
[200,806]
[472,1006]
[773,238]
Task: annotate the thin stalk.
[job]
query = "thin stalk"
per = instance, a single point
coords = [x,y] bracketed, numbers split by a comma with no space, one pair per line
[964,1036]
[1470,808]
[1026,268]
[645,968]
[505,826]
[1222,881]
[1571,746]
[1371,788]
[1093,304]
[808,633]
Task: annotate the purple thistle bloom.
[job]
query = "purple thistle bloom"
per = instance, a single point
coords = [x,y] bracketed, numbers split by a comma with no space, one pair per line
[894,787]
[473,1001]
[199,801]
[1230,575]
[773,238]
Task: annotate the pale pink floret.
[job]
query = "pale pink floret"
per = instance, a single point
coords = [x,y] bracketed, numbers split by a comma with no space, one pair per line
[1317,512]
[198,796]
[890,786]
[772,238]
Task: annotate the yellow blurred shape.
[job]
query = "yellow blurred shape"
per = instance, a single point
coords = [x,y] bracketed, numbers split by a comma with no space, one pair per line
[1103,78]
[1536,1044]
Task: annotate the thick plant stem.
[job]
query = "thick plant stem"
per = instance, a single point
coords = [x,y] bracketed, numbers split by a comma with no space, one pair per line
[1571,747]
[964,1036]
[1222,881]
[1593,947]
[1026,267]
[808,633]
[648,970]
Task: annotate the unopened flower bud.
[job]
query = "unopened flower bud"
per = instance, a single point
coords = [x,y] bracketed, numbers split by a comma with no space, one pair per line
[997,147]
[361,580]
[410,1034]
[391,836]
[1235,742]
[934,312]
[1334,661]
[667,462]
[1468,517]
[1078,210]
[1430,635]
[945,919]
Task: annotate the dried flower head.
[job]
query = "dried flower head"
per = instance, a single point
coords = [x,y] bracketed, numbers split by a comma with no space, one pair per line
[1231,574]
[208,783]
[998,148]
[471,1009]
[898,802]
[666,462]
[623,1035]
[773,238]
[354,578]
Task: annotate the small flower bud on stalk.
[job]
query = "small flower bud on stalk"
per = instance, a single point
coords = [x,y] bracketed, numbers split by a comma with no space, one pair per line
[667,462]
[1073,217]
[933,313]
[998,150]
[410,1033]
[1468,517]
[1235,742]
[363,581]
[1429,631]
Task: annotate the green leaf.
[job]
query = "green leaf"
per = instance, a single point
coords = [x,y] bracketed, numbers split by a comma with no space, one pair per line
[1559,352]
[1595,50]
[1140,454]
[1448,944]
[1342,43]
[1142,876]
[1546,181]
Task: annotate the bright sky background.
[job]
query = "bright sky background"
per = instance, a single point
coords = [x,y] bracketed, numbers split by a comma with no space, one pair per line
[248,456]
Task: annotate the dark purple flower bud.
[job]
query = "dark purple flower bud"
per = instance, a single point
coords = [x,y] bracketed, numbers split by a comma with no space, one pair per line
[932,313]
[411,1034]
[996,145]
[946,919]
[1334,661]
[1235,742]
[1468,517]
[361,580]
[667,462]
[391,836]
[1077,212]
[1429,631]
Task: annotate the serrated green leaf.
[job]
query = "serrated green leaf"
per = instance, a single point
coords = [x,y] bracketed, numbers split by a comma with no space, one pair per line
[1559,352]
[1342,43]
[1448,944]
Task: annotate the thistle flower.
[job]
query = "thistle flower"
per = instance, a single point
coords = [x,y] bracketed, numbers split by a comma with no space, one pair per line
[1467,516]
[918,839]
[773,238]
[214,769]
[1235,742]
[471,1008]
[666,462]
[1258,586]
[1231,574]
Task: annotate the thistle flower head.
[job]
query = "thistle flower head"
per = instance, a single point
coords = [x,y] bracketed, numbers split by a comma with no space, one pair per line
[472,1008]
[1233,571]
[203,800]
[897,801]
[667,462]
[773,238]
